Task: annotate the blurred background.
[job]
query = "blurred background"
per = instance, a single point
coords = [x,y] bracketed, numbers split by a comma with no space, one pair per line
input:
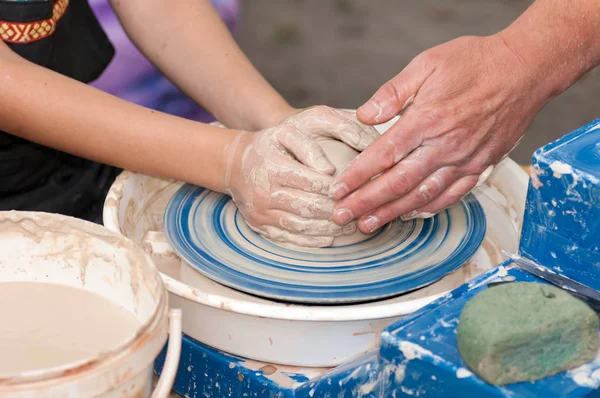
[338,52]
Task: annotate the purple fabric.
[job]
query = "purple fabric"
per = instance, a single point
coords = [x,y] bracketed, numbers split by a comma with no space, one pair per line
[132,77]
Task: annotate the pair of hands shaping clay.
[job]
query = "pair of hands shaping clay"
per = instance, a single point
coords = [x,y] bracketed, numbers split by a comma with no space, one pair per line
[280,178]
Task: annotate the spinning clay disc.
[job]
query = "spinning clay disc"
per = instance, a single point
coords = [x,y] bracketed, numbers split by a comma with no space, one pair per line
[208,232]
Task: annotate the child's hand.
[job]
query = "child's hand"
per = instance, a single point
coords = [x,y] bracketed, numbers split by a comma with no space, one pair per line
[280,178]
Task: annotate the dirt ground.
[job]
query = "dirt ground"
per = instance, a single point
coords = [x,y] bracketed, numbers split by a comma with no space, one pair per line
[338,52]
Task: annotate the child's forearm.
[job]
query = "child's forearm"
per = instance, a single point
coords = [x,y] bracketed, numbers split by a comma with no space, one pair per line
[188,42]
[50,109]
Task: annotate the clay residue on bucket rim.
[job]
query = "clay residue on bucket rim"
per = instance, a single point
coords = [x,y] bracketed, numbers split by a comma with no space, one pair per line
[49,231]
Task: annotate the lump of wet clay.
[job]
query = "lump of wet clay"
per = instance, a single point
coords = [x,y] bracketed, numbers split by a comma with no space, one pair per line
[525,331]
[340,155]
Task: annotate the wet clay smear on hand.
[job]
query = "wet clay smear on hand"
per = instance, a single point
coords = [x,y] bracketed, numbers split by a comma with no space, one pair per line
[525,331]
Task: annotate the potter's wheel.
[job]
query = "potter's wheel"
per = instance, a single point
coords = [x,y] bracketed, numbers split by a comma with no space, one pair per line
[295,334]
[208,232]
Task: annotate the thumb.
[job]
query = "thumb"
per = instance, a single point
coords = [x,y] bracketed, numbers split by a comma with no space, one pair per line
[396,94]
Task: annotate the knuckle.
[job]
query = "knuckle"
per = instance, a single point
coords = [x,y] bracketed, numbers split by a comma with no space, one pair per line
[426,192]
[449,143]
[292,120]
[478,165]
[455,138]
[426,58]
[280,197]
[469,153]
[451,111]
[288,130]
[433,117]
[388,153]
[321,110]
[436,184]
[398,184]
[435,156]
[388,156]
[388,91]
[456,147]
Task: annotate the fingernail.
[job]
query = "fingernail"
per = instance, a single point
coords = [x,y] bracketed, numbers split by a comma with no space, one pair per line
[371,223]
[425,214]
[408,102]
[409,216]
[342,216]
[415,214]
[339,190]
[371,110]
[483,177]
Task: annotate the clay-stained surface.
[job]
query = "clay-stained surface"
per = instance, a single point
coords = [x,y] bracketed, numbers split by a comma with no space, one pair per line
[71,247]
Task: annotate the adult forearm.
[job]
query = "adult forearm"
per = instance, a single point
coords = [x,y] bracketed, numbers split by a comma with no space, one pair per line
[559,41]
[45,107]
[191,45]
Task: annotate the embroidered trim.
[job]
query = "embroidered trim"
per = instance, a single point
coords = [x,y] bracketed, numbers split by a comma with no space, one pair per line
[27,32]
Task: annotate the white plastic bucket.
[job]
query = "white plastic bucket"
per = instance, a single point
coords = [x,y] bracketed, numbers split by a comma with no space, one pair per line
[48,248]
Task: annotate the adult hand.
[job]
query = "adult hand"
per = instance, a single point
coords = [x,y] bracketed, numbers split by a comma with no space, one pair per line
[466,105]
[281,179]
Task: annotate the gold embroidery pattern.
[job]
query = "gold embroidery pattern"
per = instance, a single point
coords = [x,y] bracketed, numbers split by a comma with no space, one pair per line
[27,32]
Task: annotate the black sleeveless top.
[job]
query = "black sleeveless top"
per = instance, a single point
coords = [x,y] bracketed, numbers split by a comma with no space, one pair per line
[65,36]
